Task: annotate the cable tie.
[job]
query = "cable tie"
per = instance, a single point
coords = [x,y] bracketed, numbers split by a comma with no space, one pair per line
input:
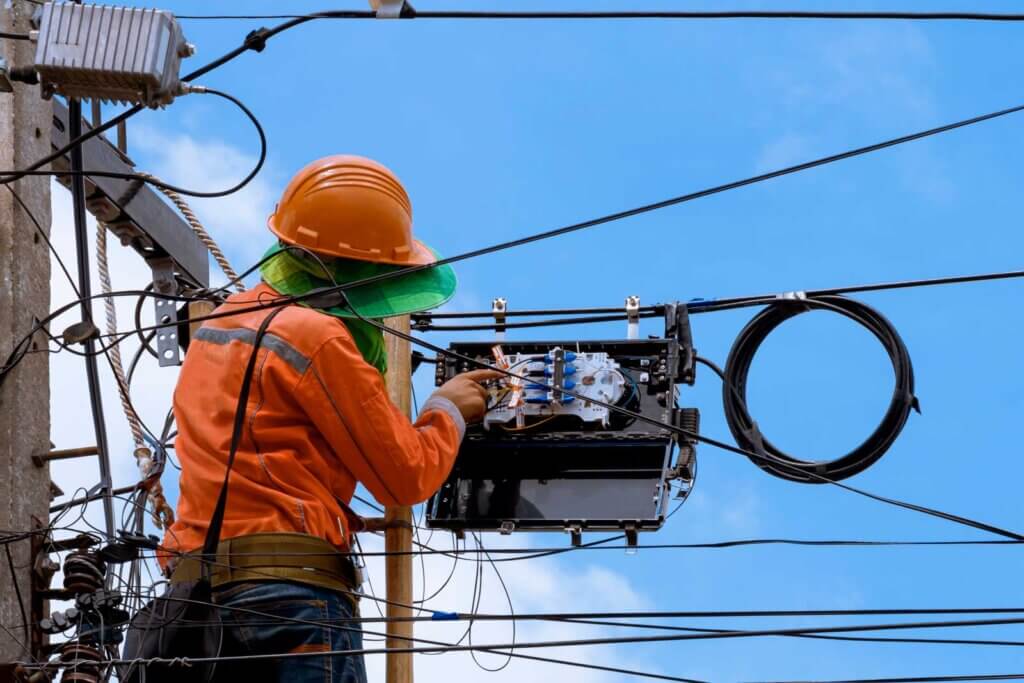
[444,616]
[256,39]
[796,295]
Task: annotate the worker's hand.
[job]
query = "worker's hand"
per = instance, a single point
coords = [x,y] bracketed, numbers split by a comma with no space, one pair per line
[467,393]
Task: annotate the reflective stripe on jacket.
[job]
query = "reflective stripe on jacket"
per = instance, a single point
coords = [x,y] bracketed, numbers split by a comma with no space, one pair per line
[318,420]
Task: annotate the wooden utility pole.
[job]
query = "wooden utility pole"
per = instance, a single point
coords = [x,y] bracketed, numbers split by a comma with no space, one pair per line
[25,124]
[398,568]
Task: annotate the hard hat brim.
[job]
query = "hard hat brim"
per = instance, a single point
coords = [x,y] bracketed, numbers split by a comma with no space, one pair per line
[287,273]
[419,255]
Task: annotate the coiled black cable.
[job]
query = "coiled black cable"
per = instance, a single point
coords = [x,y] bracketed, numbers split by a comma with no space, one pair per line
[744,428]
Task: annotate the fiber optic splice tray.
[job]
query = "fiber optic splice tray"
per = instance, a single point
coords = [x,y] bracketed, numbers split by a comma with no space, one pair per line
[545,460]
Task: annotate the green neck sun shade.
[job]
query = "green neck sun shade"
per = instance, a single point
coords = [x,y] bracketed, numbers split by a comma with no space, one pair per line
[290,273]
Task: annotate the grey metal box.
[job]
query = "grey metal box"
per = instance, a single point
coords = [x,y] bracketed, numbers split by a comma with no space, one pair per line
[120,54]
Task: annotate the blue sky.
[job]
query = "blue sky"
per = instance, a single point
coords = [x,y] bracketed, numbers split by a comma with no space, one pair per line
[506,128]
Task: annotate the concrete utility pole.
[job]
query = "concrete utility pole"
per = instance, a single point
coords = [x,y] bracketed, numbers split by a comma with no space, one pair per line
[398,568]
[25,123]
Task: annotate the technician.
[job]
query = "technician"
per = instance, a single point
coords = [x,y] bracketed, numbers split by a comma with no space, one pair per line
[318,421]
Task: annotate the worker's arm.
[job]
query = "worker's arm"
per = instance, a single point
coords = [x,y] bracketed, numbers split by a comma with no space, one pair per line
[399,462]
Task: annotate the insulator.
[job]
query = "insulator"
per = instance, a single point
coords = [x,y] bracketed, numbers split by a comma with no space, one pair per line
[81,663]
[83,572]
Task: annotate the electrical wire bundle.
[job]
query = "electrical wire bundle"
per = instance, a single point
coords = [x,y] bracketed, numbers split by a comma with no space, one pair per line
[744,428]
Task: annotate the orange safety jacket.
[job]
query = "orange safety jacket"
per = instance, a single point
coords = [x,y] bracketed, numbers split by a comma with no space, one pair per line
[318,421]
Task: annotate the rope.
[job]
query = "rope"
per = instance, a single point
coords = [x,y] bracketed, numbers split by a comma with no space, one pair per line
[200,231]
[116,365]
[162,513]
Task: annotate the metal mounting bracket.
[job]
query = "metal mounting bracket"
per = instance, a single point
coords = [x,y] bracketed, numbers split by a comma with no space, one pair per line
[164,282]
[392,9]
[632,317]
[681,361]
[499,307]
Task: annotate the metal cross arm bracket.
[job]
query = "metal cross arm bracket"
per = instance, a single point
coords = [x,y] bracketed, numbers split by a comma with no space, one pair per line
[134,212]
[165,311]
[499,307]
[632,317]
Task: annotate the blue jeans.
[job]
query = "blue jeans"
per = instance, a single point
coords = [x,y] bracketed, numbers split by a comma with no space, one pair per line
[248,634]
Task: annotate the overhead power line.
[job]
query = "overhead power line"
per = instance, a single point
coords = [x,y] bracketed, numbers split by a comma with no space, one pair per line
[579,642]
[681,199]
[919,679]
[702,305]
[410,13]
[152,180]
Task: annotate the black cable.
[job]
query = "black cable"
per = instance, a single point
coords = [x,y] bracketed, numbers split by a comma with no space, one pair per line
[143,340]
[921,679]
[440,646]
[511,614]
[609,218]
[617,216]
[584,642]
[728,303]
[343,300]
[255,40]
[46,238]
[639,14]
[138,355]
[745,429]
[422,325]
[475,363]
[167,186]
[15,36]
[855,639]
[430,315]
[18,597]
[536,553]
[75,141]
[85,289]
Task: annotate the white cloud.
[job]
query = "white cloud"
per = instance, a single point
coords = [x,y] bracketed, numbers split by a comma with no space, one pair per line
[237,220]
[865,76]
[871,69]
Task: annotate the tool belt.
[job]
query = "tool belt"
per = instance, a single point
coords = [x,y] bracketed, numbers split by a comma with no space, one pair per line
[274,557]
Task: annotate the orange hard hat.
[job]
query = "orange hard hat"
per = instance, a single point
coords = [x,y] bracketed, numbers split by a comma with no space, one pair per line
[349,207]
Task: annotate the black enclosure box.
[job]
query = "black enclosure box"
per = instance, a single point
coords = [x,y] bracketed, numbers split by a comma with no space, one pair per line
[568,474]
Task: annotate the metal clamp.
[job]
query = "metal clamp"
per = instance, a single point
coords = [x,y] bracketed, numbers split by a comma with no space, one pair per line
[499,307]
[631,536]
[632,317]
[392,9]
[164,282]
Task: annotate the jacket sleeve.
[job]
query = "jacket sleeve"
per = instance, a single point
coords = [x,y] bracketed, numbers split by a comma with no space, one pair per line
[399,462]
